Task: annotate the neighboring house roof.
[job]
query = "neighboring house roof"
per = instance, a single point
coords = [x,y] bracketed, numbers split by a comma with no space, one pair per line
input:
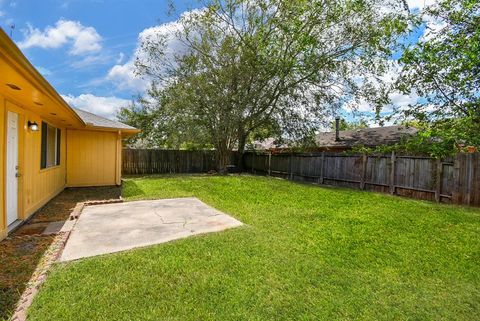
[102,122]
[267,143]
[368,137]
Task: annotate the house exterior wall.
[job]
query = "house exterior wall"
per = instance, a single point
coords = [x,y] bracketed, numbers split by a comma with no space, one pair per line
[3,219]
[40,185]
[93,158]
[35,186]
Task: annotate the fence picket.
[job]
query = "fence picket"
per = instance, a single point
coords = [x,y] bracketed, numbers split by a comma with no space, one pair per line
[455,180]
[152,161]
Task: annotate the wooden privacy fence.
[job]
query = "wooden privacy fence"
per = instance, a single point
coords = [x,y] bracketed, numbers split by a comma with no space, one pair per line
[161,161]
[453,180]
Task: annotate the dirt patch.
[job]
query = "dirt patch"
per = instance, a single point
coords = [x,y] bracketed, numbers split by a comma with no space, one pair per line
[61,206]
[22,251]
[31,229]
[19,257]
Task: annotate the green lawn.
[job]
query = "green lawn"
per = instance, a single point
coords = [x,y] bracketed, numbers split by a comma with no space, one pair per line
[306,253]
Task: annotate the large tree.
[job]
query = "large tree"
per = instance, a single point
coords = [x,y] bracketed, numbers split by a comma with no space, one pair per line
[444,69]
[246,66]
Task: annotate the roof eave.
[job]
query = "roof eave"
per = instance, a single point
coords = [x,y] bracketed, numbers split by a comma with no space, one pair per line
[16,54]
[114,129]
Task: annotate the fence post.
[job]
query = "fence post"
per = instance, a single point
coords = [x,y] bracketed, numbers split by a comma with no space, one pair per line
[463,179]
[290,166]
[322,162]
[470,163]
[253,162]
[438,180]
[364,171]
[269,163]
[392,173]
[457,179]
[475,187]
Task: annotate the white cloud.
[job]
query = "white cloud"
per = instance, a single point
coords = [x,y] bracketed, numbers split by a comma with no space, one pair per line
[361,106]
[388,78]
[102,106]
[120,58]
[403,101]
[398,100]
[123,75]
[419,4]
[432,25]
[83,40]
[92,60]
[432,28]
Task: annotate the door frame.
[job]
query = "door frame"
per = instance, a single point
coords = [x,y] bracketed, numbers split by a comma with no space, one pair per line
[12,107]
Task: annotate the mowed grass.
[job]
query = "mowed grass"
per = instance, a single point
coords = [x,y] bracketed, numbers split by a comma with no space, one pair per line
[306,253]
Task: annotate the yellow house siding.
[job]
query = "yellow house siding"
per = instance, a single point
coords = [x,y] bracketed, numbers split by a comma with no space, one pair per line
[36,186]
[91,153]
[119,158]
[41,184]
[3,217]
[92,158]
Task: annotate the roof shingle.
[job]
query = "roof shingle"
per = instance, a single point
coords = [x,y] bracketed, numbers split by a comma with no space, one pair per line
[369,137]
[98,121]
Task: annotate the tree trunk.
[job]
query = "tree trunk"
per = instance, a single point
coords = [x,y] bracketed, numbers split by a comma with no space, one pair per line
[222,158]
[242,140]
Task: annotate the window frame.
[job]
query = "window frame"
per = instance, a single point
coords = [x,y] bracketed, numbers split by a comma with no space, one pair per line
[44,146]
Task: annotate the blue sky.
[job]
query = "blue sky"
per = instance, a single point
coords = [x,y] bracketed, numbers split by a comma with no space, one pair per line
[76,44]
[85,48]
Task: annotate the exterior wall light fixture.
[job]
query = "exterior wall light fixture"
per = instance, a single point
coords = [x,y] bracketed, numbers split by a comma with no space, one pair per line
[33,126]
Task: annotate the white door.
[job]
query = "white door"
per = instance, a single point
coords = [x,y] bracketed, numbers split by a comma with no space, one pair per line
[12,167]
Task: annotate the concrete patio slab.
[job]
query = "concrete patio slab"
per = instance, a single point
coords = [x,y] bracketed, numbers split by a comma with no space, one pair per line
[109,228]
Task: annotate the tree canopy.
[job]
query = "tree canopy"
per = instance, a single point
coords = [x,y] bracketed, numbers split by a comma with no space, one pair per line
[444,69]
[246,67]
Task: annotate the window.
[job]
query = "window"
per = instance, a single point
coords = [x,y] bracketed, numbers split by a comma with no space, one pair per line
[51,138]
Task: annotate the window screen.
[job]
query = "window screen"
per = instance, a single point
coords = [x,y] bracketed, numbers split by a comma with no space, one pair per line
[50,150]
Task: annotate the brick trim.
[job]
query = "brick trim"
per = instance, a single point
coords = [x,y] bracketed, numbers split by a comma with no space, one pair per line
[111,201]
[39,276]
[49,258]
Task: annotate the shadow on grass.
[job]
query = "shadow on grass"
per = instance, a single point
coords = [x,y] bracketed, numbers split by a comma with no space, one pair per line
[22,251]
[131,188]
